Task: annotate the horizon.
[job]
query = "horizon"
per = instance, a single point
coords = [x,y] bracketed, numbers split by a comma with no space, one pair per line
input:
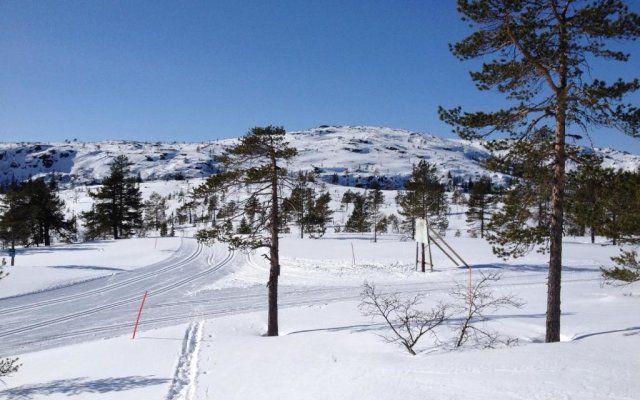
[157,71]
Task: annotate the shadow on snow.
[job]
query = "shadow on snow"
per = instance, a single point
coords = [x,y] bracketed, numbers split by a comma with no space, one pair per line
[76,386]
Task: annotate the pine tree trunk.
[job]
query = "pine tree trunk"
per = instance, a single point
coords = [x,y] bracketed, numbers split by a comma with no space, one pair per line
[557,220]
[423,257]
[375,227]
[593,235]
[47,235]
[557,197]
[272,325]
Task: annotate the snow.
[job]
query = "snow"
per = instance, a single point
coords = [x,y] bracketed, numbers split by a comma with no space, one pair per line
[353,153]
[68,311]
[44,268]
[209,343]
[112,369]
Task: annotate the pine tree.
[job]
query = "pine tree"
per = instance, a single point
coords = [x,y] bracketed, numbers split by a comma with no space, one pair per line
[34,213]
[118,206]
[627,269]
[298,205]
[424,197]
[522,223]
[375,198]
[319,215]
[359,218]
[586,192]
[155,211]
[622,206]
[255,164]
[244,228]
[481,203]
[541,52]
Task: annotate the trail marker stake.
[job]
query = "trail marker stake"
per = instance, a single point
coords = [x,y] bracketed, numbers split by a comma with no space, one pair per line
[135,328]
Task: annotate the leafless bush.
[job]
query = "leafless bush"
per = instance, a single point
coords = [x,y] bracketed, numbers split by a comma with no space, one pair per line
[407,322]
[473,304]
[8,366]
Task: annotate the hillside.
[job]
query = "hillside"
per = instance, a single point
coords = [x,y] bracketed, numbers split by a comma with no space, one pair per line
[339,154]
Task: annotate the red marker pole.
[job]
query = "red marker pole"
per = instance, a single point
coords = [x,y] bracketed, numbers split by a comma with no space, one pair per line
[135,328]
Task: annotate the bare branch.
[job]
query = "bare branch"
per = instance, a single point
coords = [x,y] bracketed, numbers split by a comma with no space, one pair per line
[407,322]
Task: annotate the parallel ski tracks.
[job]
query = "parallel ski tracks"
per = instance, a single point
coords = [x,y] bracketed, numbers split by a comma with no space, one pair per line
[109,287]
[230,305]
[129,300]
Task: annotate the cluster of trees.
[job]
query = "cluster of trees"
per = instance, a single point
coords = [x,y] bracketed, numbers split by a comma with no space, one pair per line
[33,214]
[603,201]
[366,215]
[306,208]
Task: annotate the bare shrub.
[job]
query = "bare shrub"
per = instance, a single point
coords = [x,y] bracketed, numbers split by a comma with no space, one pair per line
[403,315]
[8,366]
[473,304]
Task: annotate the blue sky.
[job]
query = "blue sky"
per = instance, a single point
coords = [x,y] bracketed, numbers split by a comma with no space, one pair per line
[200,70]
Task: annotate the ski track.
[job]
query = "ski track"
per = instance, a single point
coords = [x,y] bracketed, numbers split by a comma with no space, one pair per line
[183,384]
[108,311]
[47,322]
[150,272]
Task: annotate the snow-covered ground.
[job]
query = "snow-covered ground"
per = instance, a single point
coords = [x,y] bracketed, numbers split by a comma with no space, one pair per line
[201,336]
[41,269]
[68,311]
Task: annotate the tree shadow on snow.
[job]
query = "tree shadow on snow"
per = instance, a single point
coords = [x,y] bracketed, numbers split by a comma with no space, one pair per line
[450,322]
[352,328]
[77,386]
[89,267]
[634,330]
[529,268]
[55,249]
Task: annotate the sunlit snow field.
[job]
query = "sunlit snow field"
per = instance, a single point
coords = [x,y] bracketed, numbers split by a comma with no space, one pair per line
[327,349]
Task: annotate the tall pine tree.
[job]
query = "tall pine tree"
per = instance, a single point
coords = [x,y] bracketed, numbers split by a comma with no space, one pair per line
[254,165]
[538,53]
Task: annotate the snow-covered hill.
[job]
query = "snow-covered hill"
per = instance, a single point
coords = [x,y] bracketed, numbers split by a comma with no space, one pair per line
[339,154]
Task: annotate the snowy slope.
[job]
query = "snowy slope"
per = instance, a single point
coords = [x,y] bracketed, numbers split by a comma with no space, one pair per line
[353,154]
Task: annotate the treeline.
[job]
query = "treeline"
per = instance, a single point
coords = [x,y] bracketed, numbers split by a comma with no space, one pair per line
[32,213]
[599,202]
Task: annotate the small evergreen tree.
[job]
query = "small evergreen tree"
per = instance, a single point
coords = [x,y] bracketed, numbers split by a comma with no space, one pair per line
[319,215]
[244,228]
[298,206]
[627,269]
[359,220]
[586,193]
[424,197]
[118,204]
[375,198]
[481,203]
[155,209]
[622,206]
